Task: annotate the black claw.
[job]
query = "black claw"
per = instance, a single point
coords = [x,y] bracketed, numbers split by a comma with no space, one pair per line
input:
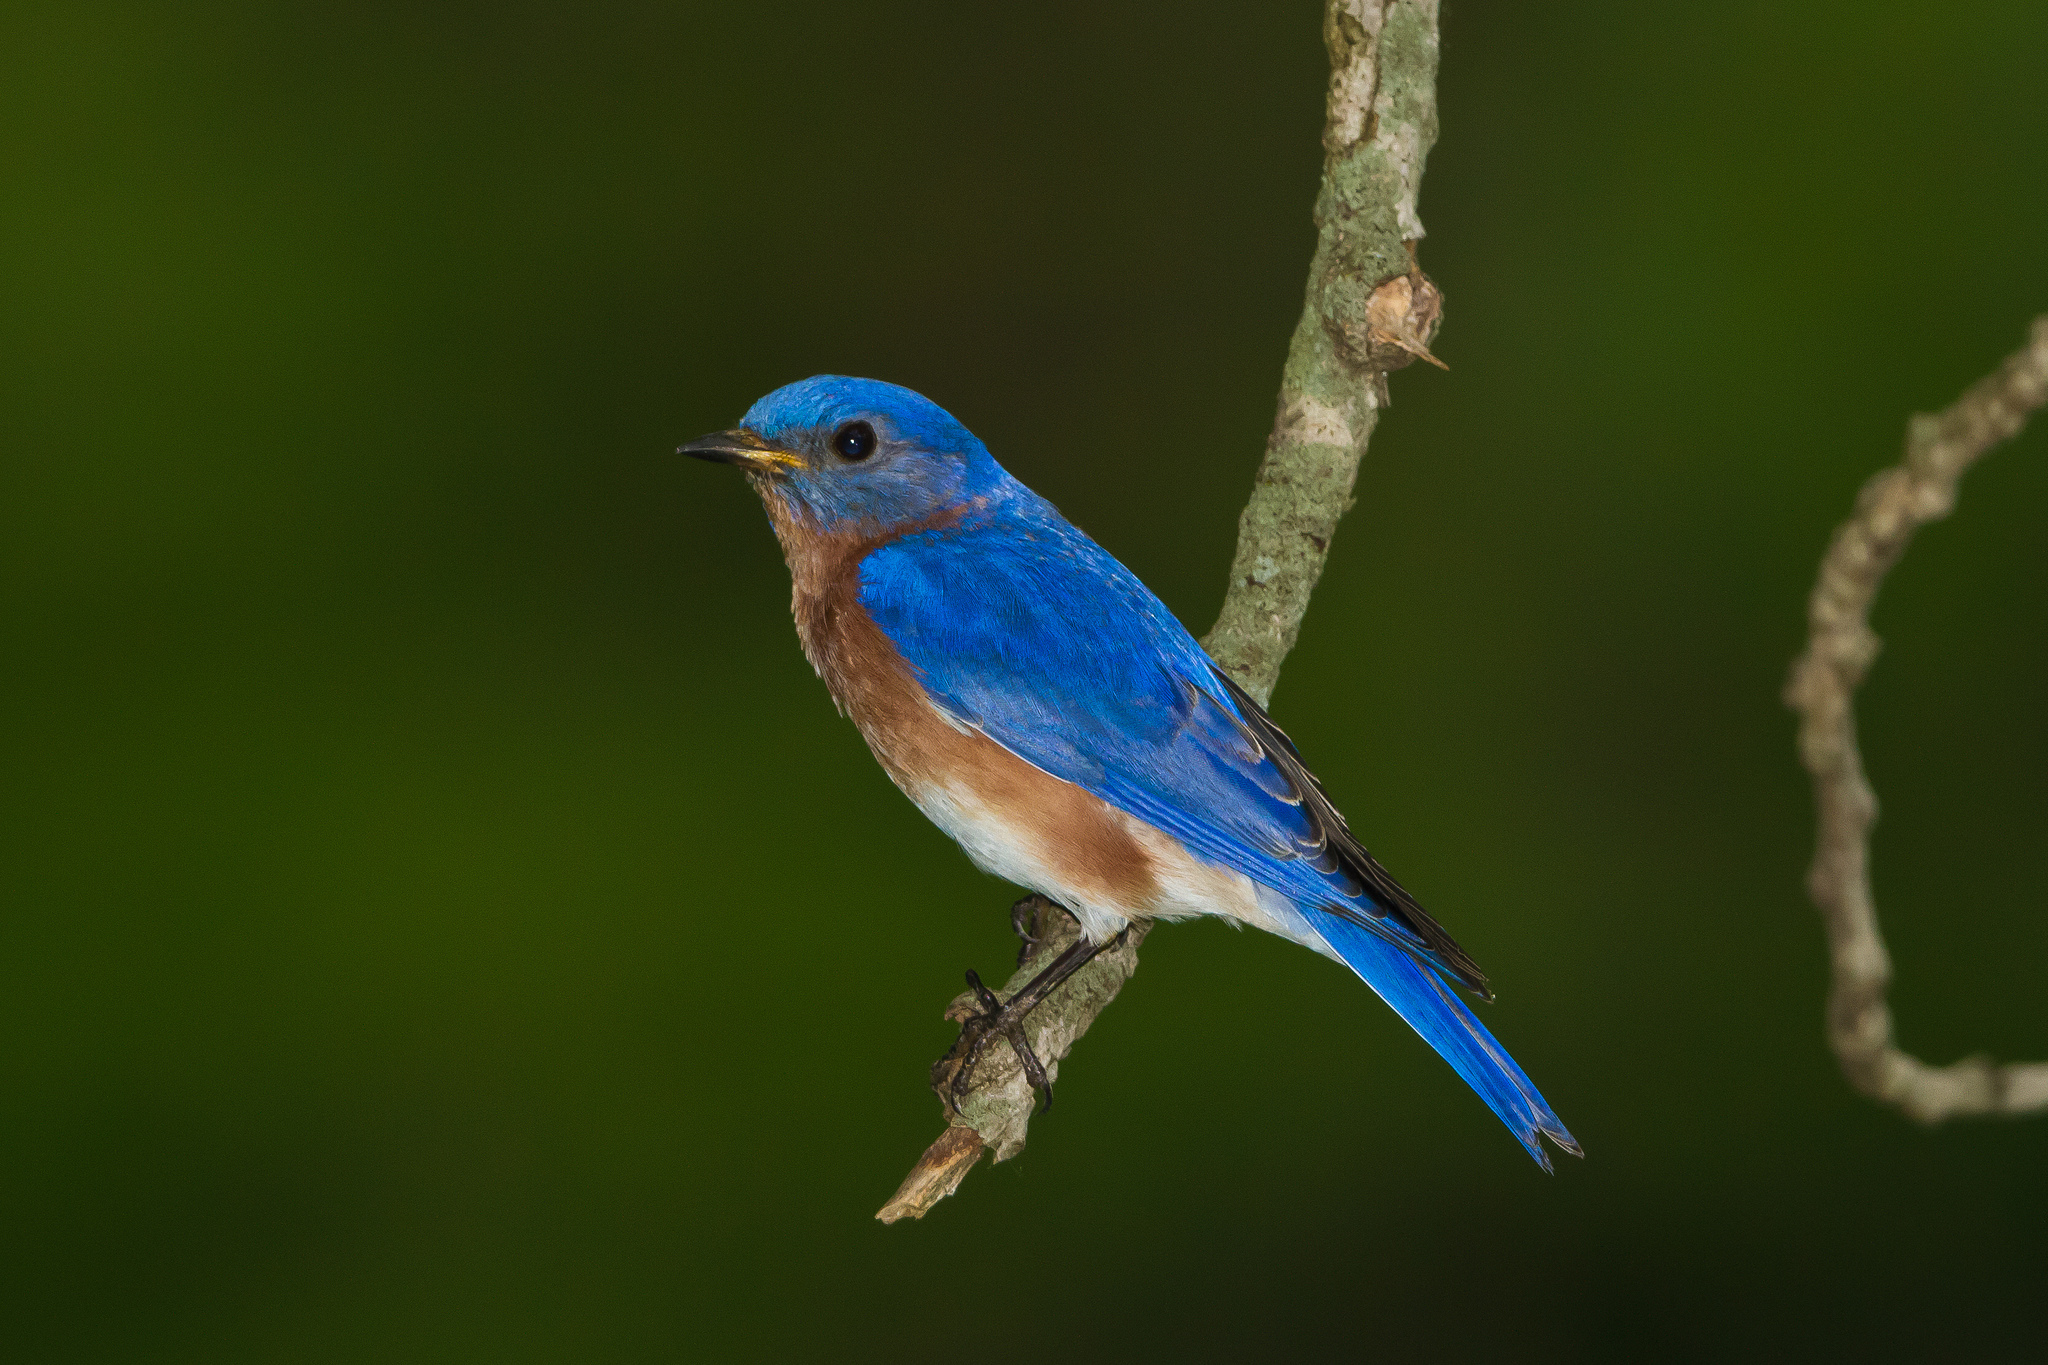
[1034,1070]
[983,996]
[1022,915]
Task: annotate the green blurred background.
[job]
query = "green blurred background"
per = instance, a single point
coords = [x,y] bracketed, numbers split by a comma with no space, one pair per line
[445,920]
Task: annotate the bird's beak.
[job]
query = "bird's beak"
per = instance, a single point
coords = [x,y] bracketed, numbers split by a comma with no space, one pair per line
[743,448]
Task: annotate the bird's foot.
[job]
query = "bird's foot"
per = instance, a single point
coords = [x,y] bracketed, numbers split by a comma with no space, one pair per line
[994,1020]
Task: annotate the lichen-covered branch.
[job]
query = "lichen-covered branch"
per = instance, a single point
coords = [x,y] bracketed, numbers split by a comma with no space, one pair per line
[1839,651]
[1369,310]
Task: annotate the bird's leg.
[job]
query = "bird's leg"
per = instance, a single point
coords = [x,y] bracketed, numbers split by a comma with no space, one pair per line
[1006,1019]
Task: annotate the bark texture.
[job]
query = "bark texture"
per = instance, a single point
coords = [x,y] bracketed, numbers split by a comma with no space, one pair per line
[1369,310]
[1839,651]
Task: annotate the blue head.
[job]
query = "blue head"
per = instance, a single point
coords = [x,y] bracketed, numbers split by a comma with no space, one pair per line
[855,455]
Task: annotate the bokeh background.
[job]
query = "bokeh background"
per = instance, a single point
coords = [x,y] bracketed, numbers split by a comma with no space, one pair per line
[445,920]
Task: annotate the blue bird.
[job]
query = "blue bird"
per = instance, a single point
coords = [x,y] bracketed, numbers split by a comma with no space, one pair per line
[1043,708]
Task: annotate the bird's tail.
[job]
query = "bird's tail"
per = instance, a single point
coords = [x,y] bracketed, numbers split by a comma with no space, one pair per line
[1433,1010]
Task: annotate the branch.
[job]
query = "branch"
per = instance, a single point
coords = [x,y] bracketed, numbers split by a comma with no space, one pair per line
[1839,651]
[1369,310]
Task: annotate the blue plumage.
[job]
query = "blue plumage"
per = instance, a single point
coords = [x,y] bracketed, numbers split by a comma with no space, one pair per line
[1021,626]
[1016,626]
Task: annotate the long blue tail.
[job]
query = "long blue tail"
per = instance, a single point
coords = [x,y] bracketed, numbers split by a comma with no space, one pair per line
[1434,1011]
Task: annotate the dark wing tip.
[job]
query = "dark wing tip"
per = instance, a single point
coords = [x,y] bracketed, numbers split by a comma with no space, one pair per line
[1395,898]
[1438,948]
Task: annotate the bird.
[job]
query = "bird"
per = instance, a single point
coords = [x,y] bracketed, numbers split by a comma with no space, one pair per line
[1041,706]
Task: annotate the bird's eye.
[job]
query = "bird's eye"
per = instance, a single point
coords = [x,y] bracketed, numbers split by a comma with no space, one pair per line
[854,440]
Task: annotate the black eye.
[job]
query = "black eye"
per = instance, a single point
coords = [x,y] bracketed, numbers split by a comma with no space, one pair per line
[854,440]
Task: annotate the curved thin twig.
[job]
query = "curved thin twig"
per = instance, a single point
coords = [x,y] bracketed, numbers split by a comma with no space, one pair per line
[1369,310]
[1839,651]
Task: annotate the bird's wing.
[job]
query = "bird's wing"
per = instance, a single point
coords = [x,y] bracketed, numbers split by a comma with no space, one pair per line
[1037,637]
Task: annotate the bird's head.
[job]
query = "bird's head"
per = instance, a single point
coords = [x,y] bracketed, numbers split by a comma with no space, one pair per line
[854,455]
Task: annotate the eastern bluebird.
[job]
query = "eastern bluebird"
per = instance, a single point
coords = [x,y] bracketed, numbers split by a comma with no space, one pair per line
[1043,708]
